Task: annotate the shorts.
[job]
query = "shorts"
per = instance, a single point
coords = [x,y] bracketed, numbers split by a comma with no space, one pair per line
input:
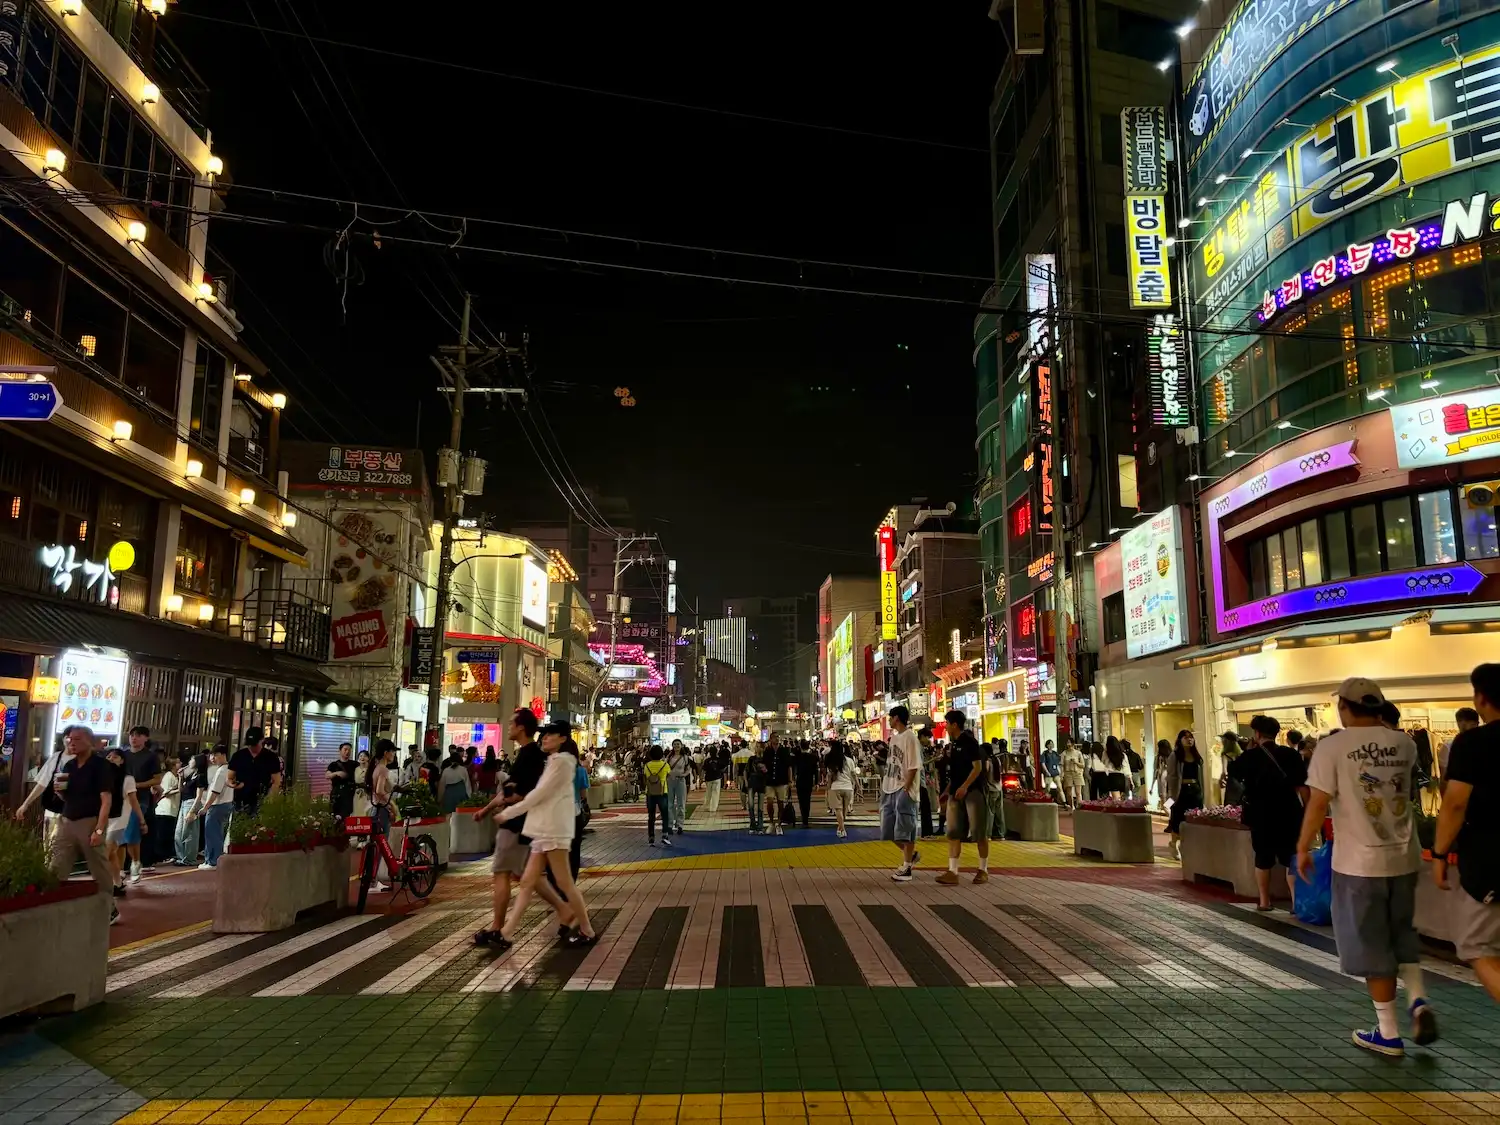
[841,799]
[969,819]
[779,792]
[1373,922]
[1274,843]
[541,845]
[1475,925]
[510,854]
[898,817]
[131,834]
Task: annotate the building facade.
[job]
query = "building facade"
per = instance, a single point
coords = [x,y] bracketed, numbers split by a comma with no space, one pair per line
[848,637]
[939,592]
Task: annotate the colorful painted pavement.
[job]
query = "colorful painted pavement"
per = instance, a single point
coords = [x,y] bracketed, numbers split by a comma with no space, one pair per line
[748,979]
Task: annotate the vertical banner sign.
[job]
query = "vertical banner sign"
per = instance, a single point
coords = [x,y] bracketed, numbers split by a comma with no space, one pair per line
[1041,297]
[1146,250]
[1143,136]
[886,539]
[888,627]
[1169,405]
[1043,463]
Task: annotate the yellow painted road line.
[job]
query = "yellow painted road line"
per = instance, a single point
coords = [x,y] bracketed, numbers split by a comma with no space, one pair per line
[168,936]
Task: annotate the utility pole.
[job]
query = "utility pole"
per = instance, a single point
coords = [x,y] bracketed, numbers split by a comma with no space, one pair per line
[622,563]
[458,476]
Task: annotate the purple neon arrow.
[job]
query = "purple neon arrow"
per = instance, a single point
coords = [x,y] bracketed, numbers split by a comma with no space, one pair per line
[1443,581]
[1303,466]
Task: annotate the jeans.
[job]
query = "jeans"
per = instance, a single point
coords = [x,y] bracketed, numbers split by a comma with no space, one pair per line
[711,800]
[657,802]
[215,823]
[757,805]
[677,799]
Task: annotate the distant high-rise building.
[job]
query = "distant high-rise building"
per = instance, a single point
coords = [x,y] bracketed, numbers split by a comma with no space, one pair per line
[776,627]
[727,639]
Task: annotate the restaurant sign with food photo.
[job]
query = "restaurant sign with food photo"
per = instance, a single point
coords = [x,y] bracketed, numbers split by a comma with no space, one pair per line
[366,551]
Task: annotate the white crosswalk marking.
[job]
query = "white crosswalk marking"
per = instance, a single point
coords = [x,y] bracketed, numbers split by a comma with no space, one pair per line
[405,978]
[127,977]
[207,982]
[1242,963]
[361,951]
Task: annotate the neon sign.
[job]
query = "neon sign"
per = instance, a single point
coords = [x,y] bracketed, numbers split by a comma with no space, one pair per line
[1044,431]
[1164,356]
[64,563]
[1041,569]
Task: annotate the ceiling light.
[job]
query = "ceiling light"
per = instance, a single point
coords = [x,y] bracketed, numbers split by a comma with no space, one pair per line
[1116,530]
[156,7]
[205,611]
[135,231]
[174,603]
[289,518]
[1247,154]
[1204,201]
[1221,178]
[241,375]
[1184,222]
[214,167]
[278,401]
[1377,392]
[1428,384]
[1164,66]
[1230,453]
[247,496]
[193,469]
[1185,29]
[1283,425]
[1386,67]
[71,7]
[206,292]
[1171,242]
[123,430]
[54,160]
[150,92]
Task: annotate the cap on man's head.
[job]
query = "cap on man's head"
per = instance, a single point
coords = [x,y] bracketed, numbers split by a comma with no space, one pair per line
[557,726]
[270,743]
[1357,689]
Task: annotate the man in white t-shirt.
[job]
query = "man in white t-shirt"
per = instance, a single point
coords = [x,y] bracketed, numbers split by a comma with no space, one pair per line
[898,791]
[1363,774]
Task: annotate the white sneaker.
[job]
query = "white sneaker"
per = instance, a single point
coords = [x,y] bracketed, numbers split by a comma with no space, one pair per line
[380,888]
[205,867]
[135,874]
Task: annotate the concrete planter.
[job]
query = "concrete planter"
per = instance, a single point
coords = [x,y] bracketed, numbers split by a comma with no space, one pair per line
[266,891]
[1114,837]
[468,837]
[55,947]
[1217,853]
[1432,904]
[435,826]
[601,793]
[1031,820]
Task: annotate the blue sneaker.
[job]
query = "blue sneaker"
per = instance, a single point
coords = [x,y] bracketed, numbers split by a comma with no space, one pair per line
[1372,1040]
[1424,1028]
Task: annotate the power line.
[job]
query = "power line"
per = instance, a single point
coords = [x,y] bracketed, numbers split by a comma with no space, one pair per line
[643,99]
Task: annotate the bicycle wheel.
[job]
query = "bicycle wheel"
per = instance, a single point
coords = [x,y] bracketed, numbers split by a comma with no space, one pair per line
[366,873]
[422,867]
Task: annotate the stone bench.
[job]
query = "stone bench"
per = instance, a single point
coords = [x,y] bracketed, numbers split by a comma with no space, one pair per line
[1219,853]
[1031,820]
[1114,837]
[265,891]
[468,836]
[55,949]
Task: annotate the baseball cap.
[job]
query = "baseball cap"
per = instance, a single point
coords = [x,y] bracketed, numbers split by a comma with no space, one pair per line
[557,726]
[1357,689]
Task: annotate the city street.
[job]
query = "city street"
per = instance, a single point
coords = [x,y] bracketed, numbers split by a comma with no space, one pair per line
[750,978]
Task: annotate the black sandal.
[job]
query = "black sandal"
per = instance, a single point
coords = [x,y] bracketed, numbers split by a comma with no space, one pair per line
[488,937]
[579,941]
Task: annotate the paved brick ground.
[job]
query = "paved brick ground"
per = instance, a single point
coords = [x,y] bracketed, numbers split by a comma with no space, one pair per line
[745,978]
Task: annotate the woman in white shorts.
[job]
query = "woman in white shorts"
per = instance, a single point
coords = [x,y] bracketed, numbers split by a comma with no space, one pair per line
[841,772]
[550,823]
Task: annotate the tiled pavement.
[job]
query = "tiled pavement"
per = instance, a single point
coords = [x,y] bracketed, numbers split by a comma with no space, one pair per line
[785,983]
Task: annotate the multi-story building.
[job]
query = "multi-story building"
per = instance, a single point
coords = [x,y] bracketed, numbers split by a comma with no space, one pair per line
[848,636]
[938,591]
[1060,360]
[727,639]
[144,550]
[776,628]
[573,673]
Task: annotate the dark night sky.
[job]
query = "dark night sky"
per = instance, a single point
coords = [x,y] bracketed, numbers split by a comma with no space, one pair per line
[729,446]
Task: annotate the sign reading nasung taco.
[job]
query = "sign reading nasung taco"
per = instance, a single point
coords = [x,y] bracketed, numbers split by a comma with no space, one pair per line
[1447,430]
[363,558]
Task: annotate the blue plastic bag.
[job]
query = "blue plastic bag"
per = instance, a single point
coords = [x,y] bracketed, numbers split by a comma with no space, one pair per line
[1313,900]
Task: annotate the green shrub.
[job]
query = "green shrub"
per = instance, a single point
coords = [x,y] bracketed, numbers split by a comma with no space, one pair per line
[475,800]
[23,861]
[292,816]
[418,800]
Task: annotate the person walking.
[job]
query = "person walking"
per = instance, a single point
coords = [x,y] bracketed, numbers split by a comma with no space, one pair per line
[1465,718]
[1116,769]
[489,771]
[1362,775]
[805,766]
[550,818]
[85,784]
[1137,766]
[1074,772]
[581,814]
[841,774]
[713,780]
[341,779]
[898,788]
[969,762]
[381,782]
[254,771]
[779,784]
[1274,779]
[143,761]
[1098,772]
[453,783]
[1230,749]
[1469,826]
[126,824]
[1051,767]
[679,776]
[658,780]
[1186,775]
[757,780]
[930,796]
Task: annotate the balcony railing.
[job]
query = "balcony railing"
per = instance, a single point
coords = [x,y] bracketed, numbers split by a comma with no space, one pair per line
[280,620]
[152,49]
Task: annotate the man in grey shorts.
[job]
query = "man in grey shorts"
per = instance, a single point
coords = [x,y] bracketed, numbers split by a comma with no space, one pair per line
[1364,775]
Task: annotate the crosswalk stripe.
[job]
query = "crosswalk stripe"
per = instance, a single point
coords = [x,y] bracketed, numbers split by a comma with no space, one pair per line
[145,970]
[1130,956]
[506,969]
[356,954]
[1069,968]
[405,978]
[227,974]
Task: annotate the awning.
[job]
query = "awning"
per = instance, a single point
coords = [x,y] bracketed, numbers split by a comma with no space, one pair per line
[41,624]
[1464,619]
[1241,647]
[1317,630]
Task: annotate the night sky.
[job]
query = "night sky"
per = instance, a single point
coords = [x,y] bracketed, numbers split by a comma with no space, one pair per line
[758,479]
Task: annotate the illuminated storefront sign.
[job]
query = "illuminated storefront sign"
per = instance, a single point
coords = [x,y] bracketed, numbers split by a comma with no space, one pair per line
[1020,518]
[841,661]
[909,591]
[92,693]
[885,540]
[1256,34]
[97,578]
[534,592]
[1044,440]
[1143,142]
[1155,585]
[1041,296]
[889,628]
[1407,132]
[1165,360]
[1041,569]
[1146,250]
[1443,431]
[1024,646]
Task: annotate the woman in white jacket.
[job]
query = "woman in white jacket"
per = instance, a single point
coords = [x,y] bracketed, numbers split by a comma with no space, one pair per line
[550,823]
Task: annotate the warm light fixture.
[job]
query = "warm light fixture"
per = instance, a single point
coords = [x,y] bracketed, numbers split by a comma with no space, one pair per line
[1165,65]
[174,603]
[156,7]
[135,231]
[193,469]
[241,376]
[71,7]
[150,92]
[123,430]
[1377,392]
[88,344]
[214,167]
[247,496]
[54,160]
[205,612]
[206,292]
[289,518]
[278,401]
[1185,29]
[1387,66]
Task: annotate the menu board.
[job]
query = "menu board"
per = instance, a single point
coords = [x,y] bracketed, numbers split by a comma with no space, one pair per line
[93,694]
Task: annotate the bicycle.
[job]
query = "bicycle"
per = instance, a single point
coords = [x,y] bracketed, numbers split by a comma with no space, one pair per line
[415,870]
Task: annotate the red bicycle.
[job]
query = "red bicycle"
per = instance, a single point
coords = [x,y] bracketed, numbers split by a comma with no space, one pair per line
[415,870]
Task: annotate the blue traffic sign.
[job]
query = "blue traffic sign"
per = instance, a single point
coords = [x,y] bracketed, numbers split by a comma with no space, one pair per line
[28,402]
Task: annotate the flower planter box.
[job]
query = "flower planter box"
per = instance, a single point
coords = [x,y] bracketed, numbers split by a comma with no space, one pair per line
[263,891]
[1432,916]
[55,947]
[438,827]
[601,793]
[1031,820]
[1116,837]
[1219,851]
[468,837]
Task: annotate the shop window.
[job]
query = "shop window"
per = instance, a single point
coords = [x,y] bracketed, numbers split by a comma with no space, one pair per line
[93,324]
[205,559]
[30,280]
[45,524]
[1480,538]
[36,64]
[1257,570]
[153,361]
[1400,533]
[1312,558]
[1275,566]
[1110,141]
[1365,530]
[1291,556]
[1114,617]
[1125,31]
[1115,259]
[1435,517]
[1336,546]
[1130,496]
